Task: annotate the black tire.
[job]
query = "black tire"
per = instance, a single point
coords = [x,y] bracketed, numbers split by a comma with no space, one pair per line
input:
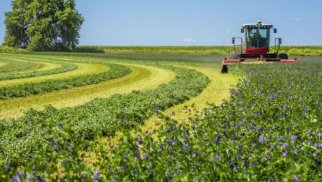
[224,69]
[283,56]
[233,55]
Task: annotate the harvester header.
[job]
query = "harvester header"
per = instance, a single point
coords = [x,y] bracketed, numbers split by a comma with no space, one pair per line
[255,46]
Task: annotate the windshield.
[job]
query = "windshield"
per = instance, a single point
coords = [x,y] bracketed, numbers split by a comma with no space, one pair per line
[257,38]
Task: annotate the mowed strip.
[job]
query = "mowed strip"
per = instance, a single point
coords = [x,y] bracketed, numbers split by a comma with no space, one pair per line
[83,69]
[142,77]
[217,90]
[3,64]
[214,93]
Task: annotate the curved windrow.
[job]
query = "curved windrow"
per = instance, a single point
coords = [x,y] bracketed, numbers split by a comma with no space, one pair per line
[142,77]
[100,117]
[53,85]
[46,67]
[14,65]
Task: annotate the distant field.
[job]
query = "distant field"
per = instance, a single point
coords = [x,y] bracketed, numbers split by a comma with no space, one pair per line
[175,50]
[195,50]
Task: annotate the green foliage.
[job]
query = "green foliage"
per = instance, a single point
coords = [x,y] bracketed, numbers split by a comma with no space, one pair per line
[26,89]
[64,68]
[15,66]
[43,25]
[269,130]
[190,50]
[54,130]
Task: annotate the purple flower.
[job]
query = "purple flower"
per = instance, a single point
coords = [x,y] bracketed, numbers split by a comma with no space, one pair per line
[270,178]
[217,158]
[319,145]
[170,142]
[254,145]
[169,176]
[285,145]
[239,157]
[96,176]
[194,153]
[315,154]
[293,137]
[284,153]
[232,162]
[185,147]
[140,141]
[253,164]
[239,124]
[156,110]
[261,139]
[16,178]
[296,179]
[145,157]
[320,134]
[239,147]
[254,127]
[6,167]
[217,140]
[53,143]
[41,180]
[138,157]
[31,176]
[83,176]
[257,114]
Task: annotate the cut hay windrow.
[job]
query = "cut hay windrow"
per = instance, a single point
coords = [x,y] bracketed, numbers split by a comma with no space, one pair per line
[26,89]
[15,66]
[142,77]
[100,117]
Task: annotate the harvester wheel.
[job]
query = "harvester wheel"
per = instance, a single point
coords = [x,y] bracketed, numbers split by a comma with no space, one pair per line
[224,69]
[283,56]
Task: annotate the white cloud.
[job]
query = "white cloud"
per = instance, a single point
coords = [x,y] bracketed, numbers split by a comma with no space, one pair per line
[297,19]
[189,40]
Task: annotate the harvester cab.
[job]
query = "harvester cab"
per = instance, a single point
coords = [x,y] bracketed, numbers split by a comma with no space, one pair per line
[255,46]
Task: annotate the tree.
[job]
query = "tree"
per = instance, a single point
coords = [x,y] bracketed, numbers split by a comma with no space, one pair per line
[41,25]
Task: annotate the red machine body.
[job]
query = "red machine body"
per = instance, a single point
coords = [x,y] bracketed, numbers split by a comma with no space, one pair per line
[255,47]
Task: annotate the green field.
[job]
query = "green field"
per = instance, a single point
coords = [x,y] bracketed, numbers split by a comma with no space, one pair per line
[158,114]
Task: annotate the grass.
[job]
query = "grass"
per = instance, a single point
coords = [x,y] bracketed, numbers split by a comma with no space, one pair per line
[191,50]
[83,69]
[142,77]
[216,91]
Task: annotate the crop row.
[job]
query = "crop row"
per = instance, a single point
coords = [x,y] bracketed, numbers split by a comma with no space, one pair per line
[23,90]
[64,68]
[15,66]
[269,130]
[54,130]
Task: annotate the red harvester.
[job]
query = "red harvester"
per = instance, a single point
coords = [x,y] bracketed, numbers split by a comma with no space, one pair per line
[255,47]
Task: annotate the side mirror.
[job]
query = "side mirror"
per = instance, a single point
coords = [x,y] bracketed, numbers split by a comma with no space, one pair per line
[242,30]
[275,30]
[233,40]
[280,41]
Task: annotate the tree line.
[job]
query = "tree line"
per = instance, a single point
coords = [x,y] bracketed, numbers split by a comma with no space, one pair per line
[41,25]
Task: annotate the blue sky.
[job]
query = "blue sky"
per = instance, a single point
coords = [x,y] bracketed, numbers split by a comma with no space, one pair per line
[191,22]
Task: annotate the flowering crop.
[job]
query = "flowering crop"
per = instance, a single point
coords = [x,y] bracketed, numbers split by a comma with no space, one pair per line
[269,130]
